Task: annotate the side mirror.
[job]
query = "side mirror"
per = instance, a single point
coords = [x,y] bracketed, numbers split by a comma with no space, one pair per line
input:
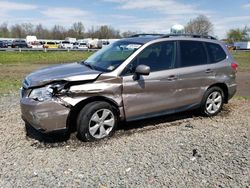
[141,70]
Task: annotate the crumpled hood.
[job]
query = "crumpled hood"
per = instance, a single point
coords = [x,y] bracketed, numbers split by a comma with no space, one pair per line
[64,72]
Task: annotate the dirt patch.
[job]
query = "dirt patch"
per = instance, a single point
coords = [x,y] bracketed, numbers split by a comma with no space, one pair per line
[243,81]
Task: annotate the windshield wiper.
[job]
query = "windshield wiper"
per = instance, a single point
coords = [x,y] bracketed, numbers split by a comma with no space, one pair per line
[88,65]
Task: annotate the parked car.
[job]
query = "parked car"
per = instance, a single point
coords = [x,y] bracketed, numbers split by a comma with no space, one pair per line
[35,44]
[9,43]
[105,43]
[66,45]
[80,45]
[50,45]
[19,44]
[3,44]
[131,79]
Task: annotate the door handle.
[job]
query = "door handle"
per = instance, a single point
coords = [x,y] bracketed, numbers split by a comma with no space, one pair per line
[172,77]
[209,71]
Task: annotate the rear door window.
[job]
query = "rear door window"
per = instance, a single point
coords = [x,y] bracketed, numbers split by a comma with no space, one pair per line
[215,52]
[192,53]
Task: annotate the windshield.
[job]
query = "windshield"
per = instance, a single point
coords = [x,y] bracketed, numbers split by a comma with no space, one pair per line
[110,57]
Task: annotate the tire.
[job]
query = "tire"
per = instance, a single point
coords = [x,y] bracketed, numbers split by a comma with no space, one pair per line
[97,120]
[212,102]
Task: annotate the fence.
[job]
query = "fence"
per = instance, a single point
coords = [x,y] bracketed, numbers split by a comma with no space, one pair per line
[44,49]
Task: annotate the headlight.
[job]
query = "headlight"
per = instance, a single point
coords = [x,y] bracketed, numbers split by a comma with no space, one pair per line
[41,94]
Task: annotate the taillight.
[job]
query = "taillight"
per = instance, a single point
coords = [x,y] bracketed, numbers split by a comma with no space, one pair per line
[234,65]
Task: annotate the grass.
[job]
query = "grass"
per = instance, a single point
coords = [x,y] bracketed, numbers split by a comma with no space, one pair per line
[242,97]
[12,75]
[243,59]
[15,65]
[41,57]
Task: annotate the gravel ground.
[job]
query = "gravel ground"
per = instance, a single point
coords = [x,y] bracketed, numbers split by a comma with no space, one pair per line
[184,150]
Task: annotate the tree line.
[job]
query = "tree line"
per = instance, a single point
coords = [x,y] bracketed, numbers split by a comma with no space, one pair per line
[199,25]
[77,30]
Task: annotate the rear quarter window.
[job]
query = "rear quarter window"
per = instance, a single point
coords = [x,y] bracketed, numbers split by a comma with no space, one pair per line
[215,52]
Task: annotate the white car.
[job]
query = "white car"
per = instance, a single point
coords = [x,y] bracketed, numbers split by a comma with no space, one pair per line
[80,45]
[35,44]
[66,45]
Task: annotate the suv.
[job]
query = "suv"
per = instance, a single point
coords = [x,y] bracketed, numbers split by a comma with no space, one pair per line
[19,44]
[134,78]
[3,44]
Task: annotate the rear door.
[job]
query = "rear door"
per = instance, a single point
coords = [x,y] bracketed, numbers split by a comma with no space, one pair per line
[153,94]
[193,71]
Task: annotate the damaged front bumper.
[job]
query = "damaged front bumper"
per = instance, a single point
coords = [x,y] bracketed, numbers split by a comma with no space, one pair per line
[47,116]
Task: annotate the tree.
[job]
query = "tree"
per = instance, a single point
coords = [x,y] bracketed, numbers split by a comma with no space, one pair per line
[106,32]
[4,31]
[17,31]
[42,33]
[58,32]
[236,35]
[200,25]
[103,32]
[246,33]
[77,30]
[27,28]
[128,34]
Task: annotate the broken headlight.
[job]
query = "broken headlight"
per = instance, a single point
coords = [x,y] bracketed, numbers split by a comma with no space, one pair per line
[46,93]
[42,94]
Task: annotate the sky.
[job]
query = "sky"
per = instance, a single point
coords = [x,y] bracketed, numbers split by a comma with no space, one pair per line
[144,16]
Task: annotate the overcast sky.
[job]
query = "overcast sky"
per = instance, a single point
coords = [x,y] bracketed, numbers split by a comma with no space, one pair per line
[136,15]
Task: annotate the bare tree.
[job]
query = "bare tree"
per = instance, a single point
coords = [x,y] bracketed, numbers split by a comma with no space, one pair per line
[4,31]
[200,25]
[42,33]
[78,29]
[58,32]
[128,34]
[103,32]
[106,32]
[17,31]
[27,28]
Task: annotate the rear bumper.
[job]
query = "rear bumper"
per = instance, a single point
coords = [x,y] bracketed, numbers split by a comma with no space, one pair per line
[46,116]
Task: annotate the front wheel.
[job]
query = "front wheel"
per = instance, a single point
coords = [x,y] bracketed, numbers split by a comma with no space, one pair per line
[97,120]
[212,102]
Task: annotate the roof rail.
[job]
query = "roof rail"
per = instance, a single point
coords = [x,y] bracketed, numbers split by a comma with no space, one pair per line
[146,34]
[189,35]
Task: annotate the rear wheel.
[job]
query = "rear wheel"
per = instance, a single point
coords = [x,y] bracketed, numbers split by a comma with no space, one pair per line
[97,120]
[213,101]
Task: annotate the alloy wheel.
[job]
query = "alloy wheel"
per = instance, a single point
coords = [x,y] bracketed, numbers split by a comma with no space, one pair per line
[101,123]
[214,102]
